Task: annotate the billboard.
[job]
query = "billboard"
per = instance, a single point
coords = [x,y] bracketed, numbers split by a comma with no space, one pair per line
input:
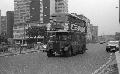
[76,27]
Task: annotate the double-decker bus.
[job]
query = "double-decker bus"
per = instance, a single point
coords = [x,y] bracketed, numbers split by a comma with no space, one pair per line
[66,36]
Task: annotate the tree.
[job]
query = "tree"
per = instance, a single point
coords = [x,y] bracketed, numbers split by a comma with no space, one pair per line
[36,31]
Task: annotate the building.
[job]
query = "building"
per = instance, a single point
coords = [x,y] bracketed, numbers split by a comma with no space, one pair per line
[33,10]
[0,21]
[61,6]
[117,35]
[46,11]
[19,32]
[106,38]
[10,23]
[29,12]
[38,10]
[119,11]
[24,9]
[89,32]
[3,25]
[94,33]
[52,7]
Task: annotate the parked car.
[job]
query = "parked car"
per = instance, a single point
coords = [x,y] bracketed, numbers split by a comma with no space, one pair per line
[102,42]
[112,46]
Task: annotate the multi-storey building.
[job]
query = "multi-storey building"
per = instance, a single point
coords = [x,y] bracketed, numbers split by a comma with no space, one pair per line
[0,21]
[3,25]
[61,6]
[32,11]
[10,23]
[29,12]
[38,10]
[119,11]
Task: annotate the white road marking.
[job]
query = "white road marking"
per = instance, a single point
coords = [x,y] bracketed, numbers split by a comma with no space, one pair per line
[104,65]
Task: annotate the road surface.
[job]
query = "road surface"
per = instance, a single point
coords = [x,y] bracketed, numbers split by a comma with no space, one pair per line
[39,63]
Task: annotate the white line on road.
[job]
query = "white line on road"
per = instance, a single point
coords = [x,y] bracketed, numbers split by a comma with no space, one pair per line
[104,65]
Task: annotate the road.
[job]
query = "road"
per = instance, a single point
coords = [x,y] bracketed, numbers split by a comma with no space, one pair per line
[39,63]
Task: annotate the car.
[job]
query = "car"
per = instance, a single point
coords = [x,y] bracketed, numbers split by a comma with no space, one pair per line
[112,46]
[102,42]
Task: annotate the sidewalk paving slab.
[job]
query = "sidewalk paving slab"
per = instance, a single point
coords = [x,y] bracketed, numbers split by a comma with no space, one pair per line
[118,60]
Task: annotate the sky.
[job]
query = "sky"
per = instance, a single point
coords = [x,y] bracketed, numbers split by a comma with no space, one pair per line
[102,13]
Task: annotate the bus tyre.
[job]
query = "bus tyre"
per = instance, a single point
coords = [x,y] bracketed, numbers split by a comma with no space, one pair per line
[83,49]
[82,52]
[107,49]
[69,52]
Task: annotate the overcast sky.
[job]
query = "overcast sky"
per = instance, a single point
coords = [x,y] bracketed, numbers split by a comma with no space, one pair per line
[102,13]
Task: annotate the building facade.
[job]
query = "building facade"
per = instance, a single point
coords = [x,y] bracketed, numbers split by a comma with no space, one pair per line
[119,11]
[94,33]
[32,11]
[117,36]
[10,23]
[0,21]
[3,25]
[61,6]
[38,10]
[29,12]
[89,32]
[106,38]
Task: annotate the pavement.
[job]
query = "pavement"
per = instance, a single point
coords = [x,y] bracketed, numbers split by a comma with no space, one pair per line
[112,60]
[32,50]
[118,60]
[112,66]
[18,53]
